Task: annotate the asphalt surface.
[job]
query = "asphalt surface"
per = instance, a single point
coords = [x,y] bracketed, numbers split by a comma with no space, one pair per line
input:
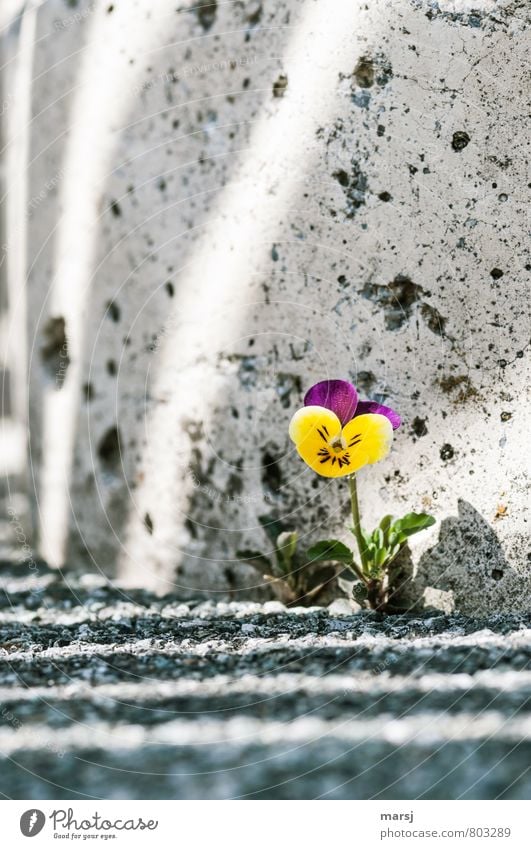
[109,692]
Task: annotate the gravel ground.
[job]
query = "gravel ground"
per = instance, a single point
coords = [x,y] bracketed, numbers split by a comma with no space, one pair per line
[109,692]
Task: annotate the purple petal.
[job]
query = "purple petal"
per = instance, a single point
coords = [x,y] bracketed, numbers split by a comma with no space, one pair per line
[374,407]
[336,395]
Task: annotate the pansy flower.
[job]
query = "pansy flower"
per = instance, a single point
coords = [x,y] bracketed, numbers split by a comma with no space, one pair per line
[336,434]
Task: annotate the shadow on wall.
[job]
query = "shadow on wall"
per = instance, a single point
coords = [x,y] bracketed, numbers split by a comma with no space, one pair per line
[243,250]
[452,574]
[200,354]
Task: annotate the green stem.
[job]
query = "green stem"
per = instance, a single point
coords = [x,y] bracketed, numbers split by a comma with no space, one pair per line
[359,573]
[356,520]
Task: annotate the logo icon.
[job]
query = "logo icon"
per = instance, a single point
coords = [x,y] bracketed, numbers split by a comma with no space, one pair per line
[32,822]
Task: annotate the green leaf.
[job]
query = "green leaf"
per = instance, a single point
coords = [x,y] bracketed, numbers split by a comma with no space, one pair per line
[386,522]
[367,536]
[394,551]
[378,538]
[330,549]
[381,556]
[396,538]
[286,547]
[412,523]
[254,558]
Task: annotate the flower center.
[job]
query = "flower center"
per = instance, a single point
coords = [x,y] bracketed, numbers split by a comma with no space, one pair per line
[338,444]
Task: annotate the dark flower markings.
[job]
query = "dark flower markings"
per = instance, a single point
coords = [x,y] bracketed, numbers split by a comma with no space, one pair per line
[344,460]
[324,453]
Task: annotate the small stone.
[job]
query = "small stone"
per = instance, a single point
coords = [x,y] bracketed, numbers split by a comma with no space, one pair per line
[274,607]
[343,607]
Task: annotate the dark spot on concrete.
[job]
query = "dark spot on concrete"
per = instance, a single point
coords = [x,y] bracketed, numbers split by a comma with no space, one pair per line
[354,185]
[254,14]
[54,352]
[496,273]
[286,384]
[190,527]
[506,416]
[113,311]
[206,11]
[460,139]
[274,253]
[396,299]
[148,523]
[385,197]
[447,452]
[248,368]
[384,71]
[88,392]
[170,288]
[111,367]
[459,386]
[342,280]
[162,184]
[109,451]
[433,319]
[361,99]
[230,576]
[364,72]
[193,429]
[341,177]
[365,381]
[280,85]
[418,427]
[110,9]
[271,473]
[370,70]
[501,163]
[116,209]
[380,130]
[234,485]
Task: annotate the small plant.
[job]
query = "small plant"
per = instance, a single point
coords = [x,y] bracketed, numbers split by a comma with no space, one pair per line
[336,435]
[293,578]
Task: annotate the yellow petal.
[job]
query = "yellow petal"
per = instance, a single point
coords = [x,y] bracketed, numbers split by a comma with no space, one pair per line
[312,429]
[368,439]
[306,422]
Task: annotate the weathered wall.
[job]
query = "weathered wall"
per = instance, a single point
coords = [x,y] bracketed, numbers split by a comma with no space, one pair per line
[236,200]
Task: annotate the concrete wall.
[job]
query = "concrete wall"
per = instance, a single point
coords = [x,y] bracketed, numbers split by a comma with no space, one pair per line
[229,201]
